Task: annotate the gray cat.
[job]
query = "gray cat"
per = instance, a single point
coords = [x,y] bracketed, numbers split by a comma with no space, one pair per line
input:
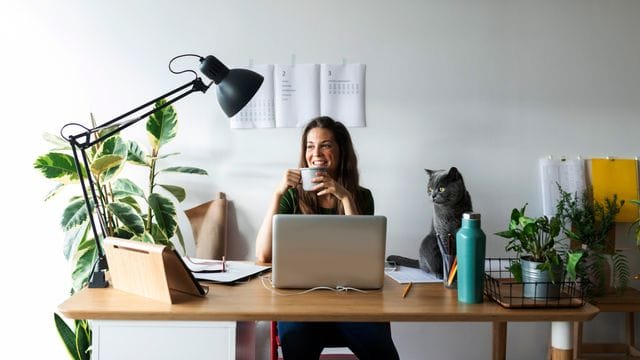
[450,200]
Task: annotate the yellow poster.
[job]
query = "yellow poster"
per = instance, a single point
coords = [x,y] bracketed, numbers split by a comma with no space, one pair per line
[620,177]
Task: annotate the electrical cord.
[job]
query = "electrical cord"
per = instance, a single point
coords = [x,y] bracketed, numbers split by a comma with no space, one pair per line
[184,71]
[338,289]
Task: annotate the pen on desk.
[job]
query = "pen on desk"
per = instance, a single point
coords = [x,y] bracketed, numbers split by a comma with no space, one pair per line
[406,290]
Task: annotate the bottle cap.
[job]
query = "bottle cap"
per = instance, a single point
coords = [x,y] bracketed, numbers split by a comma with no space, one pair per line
[471,216]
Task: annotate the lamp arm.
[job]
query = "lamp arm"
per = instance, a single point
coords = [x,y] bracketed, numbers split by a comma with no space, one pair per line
[196,86]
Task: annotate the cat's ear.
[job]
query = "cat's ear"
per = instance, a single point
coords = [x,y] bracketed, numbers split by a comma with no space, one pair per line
[429,172]
[453,173]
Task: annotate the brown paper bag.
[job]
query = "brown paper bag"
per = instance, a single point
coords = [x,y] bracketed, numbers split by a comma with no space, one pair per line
[209,225]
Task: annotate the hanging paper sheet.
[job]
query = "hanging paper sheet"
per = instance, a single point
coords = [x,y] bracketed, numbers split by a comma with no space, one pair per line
[620,177]
[342,93]
[297,94]
[570,174]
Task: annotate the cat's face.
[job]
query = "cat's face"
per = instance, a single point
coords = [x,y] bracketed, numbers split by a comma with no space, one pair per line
[445,186]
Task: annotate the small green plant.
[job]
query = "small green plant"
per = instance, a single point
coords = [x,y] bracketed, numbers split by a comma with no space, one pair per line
[131,213]
[78,341]
[534,239]
[588,222]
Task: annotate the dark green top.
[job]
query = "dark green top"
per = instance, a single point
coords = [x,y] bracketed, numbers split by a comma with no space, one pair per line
[289,203]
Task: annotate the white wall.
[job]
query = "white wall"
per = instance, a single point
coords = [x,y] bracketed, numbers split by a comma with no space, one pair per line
[487,86]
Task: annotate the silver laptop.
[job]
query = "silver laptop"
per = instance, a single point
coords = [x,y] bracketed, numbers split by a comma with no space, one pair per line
[328,250]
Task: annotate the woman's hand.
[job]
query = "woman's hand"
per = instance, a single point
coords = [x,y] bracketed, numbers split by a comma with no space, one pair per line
[290,179]
[326,185]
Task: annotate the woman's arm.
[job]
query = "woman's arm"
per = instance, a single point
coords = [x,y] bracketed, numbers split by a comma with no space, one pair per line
[290,179]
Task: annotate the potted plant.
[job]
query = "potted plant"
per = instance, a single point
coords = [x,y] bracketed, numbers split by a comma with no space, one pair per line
[539,265]
[589,224]
[132,212]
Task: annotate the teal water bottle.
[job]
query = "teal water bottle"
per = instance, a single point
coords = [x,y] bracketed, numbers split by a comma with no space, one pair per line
[471,244]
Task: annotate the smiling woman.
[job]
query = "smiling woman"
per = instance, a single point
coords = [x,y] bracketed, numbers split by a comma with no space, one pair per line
[326,144]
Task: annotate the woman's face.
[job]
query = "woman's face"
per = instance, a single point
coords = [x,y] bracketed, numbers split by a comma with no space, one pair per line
[322,150]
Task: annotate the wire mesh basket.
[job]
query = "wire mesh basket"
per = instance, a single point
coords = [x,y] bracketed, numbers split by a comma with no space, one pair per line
[500,285]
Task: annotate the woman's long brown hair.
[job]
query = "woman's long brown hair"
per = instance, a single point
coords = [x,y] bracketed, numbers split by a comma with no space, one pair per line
[347,174]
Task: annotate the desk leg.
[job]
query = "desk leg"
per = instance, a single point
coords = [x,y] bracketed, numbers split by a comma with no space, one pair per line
[561,343]
[631,335]
[577,339]
[499,340]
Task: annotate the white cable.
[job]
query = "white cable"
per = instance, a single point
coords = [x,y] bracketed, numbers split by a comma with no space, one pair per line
[336,289]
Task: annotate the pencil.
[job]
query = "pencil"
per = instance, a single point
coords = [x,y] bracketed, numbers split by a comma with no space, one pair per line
[452,272]
[406,290]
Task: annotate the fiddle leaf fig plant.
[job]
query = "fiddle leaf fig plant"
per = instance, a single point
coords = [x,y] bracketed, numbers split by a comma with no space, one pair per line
[147,215]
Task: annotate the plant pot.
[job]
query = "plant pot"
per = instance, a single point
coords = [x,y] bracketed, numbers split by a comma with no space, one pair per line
[537,283]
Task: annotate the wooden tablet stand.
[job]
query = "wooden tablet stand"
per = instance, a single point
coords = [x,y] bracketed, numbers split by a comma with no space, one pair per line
[149,270]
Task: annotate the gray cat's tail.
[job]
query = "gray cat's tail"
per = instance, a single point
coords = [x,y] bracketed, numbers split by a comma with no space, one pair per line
[404,261]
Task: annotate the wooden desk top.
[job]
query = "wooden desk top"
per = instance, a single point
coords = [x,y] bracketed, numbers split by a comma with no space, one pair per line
[251,301]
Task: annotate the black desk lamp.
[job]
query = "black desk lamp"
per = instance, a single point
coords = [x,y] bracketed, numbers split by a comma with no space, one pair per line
[235,88]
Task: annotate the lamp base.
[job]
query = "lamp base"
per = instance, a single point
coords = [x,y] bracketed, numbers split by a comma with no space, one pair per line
[98,280]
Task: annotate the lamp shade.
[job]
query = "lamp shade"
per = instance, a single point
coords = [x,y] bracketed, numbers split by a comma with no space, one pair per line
[236,87]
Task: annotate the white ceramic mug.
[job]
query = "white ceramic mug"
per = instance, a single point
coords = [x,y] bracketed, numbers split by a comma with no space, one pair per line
[307,175]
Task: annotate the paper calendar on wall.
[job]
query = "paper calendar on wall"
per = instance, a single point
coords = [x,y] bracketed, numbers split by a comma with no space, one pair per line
[291,95]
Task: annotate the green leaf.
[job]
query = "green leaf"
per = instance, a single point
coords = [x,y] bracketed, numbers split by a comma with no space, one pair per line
[186,170]
[167,155]
[162,125]
[180,239]
[621,271]
[124,187]
[144,237]
[73,237]
[58,167]
[131,201]
[176,191]
[55,140]
[136,155]
[573,257]
[113,146]
[67,336]
[55,191]
[508,234]
[515,214]
[82,262]
[516,270]
[83,339]
[128,215]
[103,163]
[123,233]
[74,214]
[165,213]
